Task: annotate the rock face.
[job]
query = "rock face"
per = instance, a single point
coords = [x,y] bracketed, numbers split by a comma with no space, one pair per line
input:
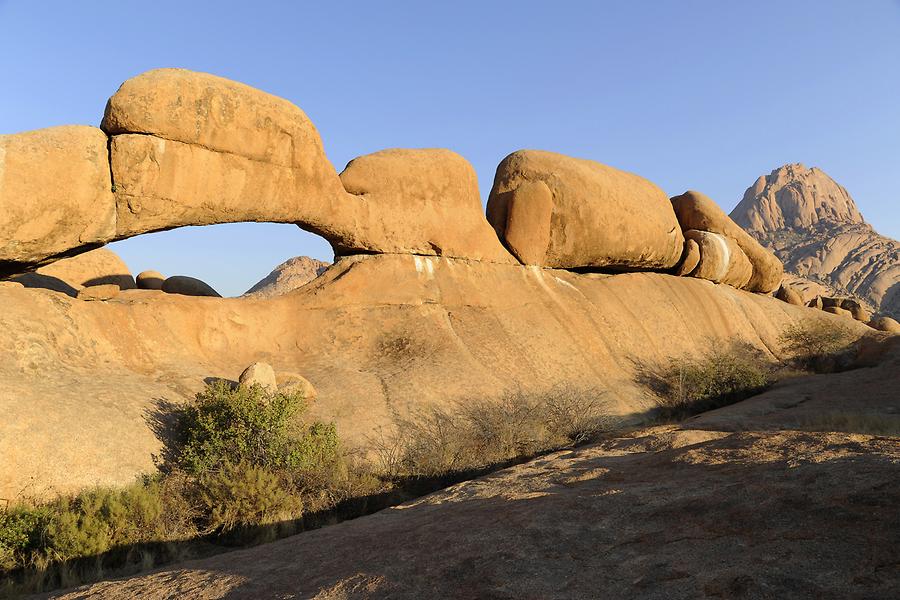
[557,211]
[288,276]
[69,275]
[104,291]
[803,489]
[699,212]
[55,195]
[813,225]
[376,335]
[794,197]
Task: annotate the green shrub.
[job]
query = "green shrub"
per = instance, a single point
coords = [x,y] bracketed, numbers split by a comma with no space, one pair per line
[241,495]
[815,344]
[721,377]
[248,425]
[21,532]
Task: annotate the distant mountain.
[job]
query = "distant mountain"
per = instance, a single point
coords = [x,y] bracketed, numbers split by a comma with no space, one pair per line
[289,275]
[816,229]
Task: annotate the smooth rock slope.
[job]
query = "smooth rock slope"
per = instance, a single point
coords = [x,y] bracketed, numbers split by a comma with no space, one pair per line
[788,495]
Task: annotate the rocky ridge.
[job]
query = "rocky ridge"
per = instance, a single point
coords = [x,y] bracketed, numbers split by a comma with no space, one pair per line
[814,226]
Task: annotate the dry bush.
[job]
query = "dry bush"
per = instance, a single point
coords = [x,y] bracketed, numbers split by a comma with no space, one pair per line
[816,344]
[692,385]
[435,441]
[868,424]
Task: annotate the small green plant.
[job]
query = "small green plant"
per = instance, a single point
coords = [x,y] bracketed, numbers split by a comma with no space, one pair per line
[815,344]
[692,385]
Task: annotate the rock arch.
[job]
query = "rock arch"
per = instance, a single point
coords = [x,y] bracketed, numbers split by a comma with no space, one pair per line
[179,148]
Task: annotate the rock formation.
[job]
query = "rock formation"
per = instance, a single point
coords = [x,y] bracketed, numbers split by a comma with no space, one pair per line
[188,286]
[697,211]
[376,335]
[150,280]
[56,197]
[287,277]
[423,305]
[556,211]
[69,275]
[813,225]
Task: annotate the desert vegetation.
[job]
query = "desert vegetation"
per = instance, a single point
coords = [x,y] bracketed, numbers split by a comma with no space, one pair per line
[434,441]
[816,345]
[246,466]
[694,384]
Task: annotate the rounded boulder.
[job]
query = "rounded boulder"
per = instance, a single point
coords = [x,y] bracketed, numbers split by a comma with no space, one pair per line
[188,286]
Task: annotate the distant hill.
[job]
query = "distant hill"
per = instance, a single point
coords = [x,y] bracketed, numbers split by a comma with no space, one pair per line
[288,276]
[814,226]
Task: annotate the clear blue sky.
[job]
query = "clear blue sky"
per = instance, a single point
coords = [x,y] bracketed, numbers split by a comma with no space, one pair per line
[690,94]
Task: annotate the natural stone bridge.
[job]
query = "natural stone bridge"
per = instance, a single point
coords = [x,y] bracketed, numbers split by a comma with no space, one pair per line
[179,148]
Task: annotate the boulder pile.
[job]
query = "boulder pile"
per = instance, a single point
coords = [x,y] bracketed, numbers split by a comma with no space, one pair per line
[178,148]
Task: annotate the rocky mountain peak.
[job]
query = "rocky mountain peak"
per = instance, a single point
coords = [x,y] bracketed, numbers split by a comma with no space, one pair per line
[795,197]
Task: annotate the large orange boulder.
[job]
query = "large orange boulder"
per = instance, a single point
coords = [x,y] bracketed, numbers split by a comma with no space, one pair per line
[418,201]
[558,211]
[55,195]
[697,211]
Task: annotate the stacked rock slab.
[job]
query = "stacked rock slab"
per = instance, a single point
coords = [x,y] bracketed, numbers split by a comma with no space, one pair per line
[721,260]
[424,200]
[55,196]
[697,211]
[69,275]
[557,211]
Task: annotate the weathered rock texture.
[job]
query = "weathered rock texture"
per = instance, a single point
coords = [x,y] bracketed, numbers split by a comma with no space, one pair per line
[813,225]
[69,275]
[288,276]
[699,212]
[786,495]
[419,202]
[721,259]
[55,195]
[557,211]
[375,335]
[193,149]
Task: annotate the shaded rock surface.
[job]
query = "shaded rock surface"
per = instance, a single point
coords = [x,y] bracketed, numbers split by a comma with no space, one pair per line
[813,225]
[288,276]
[790,494]
[188,286]
[69,275]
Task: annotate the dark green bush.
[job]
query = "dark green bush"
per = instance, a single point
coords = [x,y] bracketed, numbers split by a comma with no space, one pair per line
[248,425]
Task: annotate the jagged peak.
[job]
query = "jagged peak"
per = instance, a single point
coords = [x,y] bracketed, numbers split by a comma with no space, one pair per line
[794,196]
